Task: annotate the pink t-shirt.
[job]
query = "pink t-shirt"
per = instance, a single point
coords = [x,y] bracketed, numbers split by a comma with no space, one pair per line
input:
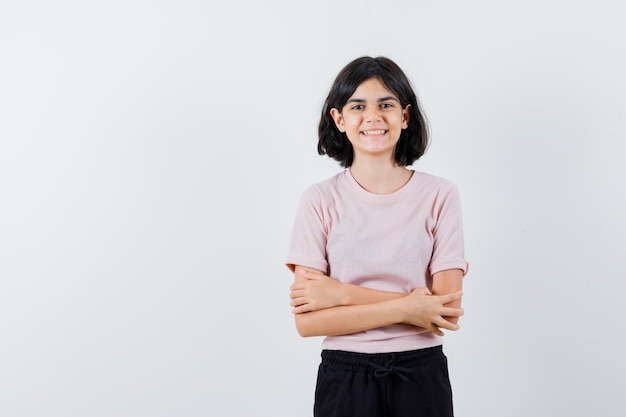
[390,242]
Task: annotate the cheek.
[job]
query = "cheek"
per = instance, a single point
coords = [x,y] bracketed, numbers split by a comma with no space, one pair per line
[351,126]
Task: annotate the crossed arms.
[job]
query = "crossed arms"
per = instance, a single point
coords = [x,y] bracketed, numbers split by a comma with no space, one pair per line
[324,306]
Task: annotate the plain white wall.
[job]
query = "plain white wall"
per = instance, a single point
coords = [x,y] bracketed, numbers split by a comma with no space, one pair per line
[152,153]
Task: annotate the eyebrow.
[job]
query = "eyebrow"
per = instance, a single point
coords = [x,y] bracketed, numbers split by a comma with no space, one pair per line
[360,100]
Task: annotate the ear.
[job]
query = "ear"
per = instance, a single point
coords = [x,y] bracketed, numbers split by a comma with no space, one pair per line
[338,118]
[406,116]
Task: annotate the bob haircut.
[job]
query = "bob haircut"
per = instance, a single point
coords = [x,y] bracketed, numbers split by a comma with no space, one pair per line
[413,140]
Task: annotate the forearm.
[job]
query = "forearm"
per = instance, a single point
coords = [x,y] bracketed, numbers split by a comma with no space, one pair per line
[417,309]
[313,290]
[320,307]
[348,319]
[357,295]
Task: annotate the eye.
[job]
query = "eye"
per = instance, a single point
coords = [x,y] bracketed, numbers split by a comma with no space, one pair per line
[386,105]
[357,107]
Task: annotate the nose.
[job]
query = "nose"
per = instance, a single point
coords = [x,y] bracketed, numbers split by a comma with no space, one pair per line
[372,113]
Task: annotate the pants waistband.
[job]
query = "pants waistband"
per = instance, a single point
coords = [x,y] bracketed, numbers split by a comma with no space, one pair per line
[354,361]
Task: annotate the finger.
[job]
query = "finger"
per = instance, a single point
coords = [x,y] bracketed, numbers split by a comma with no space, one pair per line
[452,312]
[301,309]
[296,293]
[295,302]
[445,324]
[436,330]
[446,298]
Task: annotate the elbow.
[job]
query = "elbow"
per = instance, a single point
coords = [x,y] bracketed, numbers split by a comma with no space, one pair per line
[304,333]
[303,325]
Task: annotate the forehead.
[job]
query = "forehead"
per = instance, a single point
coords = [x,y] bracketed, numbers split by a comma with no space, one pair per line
[372,88]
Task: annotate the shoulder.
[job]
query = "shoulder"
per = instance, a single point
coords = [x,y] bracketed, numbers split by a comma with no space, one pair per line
[435,184]
[442,193]
[324,190]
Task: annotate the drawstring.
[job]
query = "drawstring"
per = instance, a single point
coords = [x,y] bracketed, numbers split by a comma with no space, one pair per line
[389,368]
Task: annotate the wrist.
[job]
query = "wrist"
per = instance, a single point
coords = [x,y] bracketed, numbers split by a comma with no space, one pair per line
[346,294]
[398,310]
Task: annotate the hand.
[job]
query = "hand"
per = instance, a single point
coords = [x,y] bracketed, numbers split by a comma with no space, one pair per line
[317,292]
[429,311]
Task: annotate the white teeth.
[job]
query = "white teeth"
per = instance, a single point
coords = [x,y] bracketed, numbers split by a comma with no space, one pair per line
[374,132]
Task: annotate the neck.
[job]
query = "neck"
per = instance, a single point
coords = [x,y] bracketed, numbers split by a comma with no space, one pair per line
[380,177]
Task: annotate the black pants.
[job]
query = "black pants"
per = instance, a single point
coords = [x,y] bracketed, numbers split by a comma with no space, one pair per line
[401,384]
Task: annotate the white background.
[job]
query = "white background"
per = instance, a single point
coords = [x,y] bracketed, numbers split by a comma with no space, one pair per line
[152,153]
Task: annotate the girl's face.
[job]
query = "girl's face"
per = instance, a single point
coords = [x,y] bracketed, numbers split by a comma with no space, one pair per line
[372,119]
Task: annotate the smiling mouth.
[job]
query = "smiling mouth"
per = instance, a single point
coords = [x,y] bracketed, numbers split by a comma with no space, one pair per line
[374,132]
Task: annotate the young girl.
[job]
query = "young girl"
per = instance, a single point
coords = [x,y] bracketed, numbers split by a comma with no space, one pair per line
[377,254]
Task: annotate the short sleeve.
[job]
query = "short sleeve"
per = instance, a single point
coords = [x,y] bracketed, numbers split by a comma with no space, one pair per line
[448,241]
[307,246]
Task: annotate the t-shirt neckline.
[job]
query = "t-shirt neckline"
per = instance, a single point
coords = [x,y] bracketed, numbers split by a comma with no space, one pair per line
[407,188]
